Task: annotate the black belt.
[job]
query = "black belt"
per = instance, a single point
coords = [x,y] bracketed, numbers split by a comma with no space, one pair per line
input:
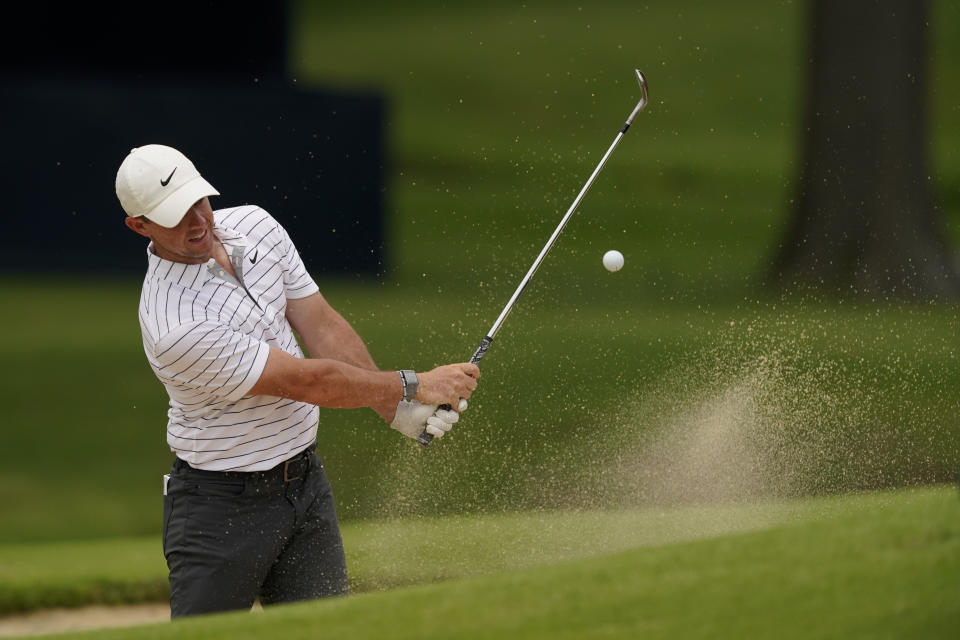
[291,469]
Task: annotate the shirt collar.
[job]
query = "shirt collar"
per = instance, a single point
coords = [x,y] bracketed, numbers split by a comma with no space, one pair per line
[188,274]
[230,237]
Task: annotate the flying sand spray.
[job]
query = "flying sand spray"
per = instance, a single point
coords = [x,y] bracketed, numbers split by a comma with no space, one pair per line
[425,438]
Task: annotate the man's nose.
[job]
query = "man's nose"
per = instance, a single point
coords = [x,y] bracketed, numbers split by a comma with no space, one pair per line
[193,216]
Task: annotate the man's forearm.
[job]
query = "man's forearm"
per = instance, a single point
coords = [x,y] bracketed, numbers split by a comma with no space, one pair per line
[333,383]
[339,341]
[326,334]
[328,383]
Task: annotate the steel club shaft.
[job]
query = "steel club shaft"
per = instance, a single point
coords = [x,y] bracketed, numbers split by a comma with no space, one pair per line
[425,438]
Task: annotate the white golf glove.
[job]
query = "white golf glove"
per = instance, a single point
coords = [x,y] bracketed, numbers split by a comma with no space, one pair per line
[413,416]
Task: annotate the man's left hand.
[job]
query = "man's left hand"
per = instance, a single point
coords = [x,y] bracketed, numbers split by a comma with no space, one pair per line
[412,417]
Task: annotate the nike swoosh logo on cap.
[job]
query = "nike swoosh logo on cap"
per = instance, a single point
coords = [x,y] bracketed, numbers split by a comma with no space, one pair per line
[164,183]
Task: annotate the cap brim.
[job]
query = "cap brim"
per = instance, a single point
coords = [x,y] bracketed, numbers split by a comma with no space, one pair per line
[170,212]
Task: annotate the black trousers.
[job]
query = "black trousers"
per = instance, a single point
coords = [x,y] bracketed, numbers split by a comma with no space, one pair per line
[231,537]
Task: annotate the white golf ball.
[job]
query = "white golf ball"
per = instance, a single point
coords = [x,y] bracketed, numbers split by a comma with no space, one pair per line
[613,260]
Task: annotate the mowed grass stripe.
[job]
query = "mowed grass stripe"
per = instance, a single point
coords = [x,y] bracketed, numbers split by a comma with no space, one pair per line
[380,553]
[874,565]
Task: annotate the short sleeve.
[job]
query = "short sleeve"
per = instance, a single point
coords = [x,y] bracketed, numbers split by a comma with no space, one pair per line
[211,358]
[297,282]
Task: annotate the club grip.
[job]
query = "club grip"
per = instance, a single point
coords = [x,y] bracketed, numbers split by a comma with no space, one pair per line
[424,439]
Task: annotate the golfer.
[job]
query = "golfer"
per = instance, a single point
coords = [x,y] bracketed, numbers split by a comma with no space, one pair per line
[248,512]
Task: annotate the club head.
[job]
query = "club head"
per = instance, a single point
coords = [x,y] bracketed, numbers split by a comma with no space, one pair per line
[642,80]
[643,96]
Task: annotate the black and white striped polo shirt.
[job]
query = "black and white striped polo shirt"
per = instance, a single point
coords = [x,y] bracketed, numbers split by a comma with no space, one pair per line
[207,336]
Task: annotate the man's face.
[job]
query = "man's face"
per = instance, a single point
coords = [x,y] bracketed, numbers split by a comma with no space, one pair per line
[190,242]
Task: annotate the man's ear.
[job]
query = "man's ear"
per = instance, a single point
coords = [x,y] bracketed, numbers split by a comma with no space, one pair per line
[139,225]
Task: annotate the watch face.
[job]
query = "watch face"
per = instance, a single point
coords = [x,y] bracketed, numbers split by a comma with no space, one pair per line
[412,384]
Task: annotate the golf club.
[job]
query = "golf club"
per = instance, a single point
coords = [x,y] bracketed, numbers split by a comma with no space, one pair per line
[424,438]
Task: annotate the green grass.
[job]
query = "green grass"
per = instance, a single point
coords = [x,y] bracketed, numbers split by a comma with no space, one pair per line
[380,555]
[74,573]
[858,398]
[880,565]
[495,137]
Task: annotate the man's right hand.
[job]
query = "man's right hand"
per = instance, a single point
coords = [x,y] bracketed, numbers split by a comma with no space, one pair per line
[448,384]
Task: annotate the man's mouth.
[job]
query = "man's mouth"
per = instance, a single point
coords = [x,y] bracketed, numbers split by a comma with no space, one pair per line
[200,236]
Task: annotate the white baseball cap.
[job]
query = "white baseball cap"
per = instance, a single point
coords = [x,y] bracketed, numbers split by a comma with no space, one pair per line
[160,183]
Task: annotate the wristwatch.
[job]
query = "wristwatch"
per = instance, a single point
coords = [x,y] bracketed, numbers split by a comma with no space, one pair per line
[410,384]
